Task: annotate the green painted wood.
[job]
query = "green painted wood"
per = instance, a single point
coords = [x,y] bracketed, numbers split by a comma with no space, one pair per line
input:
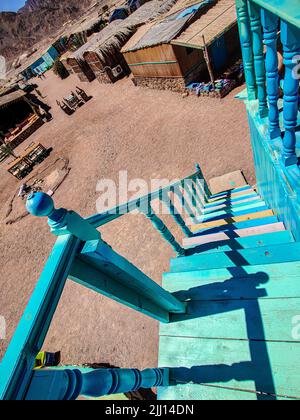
[114,213]
[287,10]
[238,225]
[197,392]
[18,362]
[231,200]
[101,269]
[244,365]
[264,255]
[239,318]
[230,220]
[271,270]
[259,284]
[255,241]
[227,235]
[241,190]
[215,215]
[235,205]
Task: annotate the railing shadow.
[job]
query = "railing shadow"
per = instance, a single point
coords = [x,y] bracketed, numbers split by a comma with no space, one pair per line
[241,291]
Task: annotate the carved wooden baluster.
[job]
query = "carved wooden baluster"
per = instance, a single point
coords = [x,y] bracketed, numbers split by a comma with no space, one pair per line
[246,44]
[69,384]
[177,216]
[189,199]
[259,63]
[270,27]
[290,38]
[164,231]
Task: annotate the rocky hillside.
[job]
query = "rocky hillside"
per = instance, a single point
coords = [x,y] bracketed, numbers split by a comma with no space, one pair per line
[35,21]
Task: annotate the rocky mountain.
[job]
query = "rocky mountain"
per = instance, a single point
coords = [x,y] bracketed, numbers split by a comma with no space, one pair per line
[37,20]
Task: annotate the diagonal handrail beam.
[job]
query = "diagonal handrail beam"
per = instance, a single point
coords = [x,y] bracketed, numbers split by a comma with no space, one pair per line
[18,362]
[287,10]
[101,219]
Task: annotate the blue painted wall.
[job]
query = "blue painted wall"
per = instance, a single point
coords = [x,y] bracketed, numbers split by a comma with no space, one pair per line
[219,53]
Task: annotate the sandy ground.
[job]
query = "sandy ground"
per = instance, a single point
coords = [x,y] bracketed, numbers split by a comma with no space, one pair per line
[151,134]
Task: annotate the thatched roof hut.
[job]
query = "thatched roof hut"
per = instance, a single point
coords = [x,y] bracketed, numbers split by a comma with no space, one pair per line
[194,39]
[102,51]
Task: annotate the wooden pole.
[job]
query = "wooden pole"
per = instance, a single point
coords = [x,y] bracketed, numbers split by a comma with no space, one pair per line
[208,62]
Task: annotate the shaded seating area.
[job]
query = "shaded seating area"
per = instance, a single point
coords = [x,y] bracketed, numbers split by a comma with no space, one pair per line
[19,118]
[73,101]
[23,165]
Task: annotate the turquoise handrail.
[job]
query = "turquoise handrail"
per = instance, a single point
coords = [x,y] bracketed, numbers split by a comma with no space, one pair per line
[288,10]
[101,219]
[17,364]
[81,255]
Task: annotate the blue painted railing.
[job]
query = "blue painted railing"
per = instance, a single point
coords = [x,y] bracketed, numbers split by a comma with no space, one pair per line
[81,255]
[260,23]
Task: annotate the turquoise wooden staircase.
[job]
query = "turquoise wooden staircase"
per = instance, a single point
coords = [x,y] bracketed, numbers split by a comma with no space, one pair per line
[230,306]
[239,279]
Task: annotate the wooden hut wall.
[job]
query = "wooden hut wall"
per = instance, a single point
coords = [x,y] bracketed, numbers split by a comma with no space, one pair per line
[81,69]
[176,61]
[158,61]
[102,70]
[189,59]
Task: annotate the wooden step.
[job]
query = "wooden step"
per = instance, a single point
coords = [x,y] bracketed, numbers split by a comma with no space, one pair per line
[240,365]
[231,341]
[238,225]
[240,203]
[264,255]
[199,392]
[233,200]
[276,270]
[240,211]
[255,241]
[232,195]
[236,233]
[232,191]
[230,220]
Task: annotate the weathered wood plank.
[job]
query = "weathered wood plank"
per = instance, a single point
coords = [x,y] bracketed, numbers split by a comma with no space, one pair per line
[247,242]
[264,255]
[238,225]
[235,204]
[198,392]
[220,214]
[229,200]
[237,233]
[265,319]
[230,220]
[272,270]
[252,366]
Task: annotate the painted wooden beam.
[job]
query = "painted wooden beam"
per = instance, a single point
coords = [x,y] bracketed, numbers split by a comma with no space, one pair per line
[101,269]
[18,362]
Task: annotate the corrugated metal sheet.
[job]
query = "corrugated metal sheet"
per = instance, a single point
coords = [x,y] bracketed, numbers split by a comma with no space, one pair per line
[212,25]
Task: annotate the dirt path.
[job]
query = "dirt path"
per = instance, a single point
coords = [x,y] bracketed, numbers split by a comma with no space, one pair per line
[151,134]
